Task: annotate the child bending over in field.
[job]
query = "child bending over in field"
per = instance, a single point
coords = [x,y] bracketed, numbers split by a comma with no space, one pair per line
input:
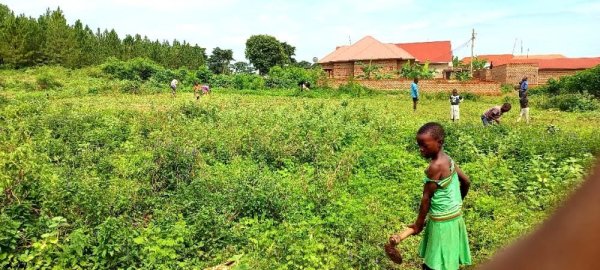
[196,90]
[205,89]
[445,244]
[493,114]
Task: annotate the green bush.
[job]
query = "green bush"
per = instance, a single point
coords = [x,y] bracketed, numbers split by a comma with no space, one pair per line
[131,87]
[355,89]
[204,75]
[46,81]
[138,69]
[572,103]
[222,80]
[289,77]
[586,81]
[248,81]
[507,88]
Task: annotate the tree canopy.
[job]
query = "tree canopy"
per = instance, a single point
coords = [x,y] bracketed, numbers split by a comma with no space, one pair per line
[265,52]
[219,60]
[49,39]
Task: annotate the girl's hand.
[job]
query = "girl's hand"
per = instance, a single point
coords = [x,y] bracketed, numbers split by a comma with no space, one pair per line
[416,228]
[395,239]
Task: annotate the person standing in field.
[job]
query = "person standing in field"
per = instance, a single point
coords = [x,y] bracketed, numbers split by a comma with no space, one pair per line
[493,114]
[196,90]
[524,101]
[455,100]
[445,244]
[523,87]
[414,93]
[174,83]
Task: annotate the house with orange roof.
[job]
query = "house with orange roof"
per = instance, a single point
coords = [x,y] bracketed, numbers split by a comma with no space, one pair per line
[348,61]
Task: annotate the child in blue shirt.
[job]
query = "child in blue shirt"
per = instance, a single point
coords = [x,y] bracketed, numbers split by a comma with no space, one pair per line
[414,92]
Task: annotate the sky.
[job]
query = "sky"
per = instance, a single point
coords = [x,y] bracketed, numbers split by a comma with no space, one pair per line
[316,27]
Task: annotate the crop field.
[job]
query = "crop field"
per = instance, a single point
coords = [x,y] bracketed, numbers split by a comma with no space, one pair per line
[269,179]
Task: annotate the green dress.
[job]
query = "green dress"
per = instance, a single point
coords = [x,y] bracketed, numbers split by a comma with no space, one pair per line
[445,244]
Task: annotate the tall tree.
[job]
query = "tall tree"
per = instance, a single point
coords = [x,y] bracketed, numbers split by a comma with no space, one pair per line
[60,44]
[25,41]
[242,68]
[265,52]
[219,60]
[290,52]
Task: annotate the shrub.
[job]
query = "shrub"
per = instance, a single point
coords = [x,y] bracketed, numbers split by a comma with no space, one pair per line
[572,103]
[132,87]
[290,76]
[463,75]
[46,81]
[586,81]
[138,69]
[204,74]
[248,81]
[507,88]
[222,80]
[355,89]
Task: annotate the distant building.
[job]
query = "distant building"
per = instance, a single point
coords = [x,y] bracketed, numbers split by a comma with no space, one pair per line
[510,69]
[347,61]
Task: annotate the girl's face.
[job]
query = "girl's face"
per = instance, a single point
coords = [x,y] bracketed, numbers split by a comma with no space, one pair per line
[428,146]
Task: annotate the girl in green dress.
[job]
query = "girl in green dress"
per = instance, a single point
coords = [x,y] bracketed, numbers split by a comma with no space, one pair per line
[445,244]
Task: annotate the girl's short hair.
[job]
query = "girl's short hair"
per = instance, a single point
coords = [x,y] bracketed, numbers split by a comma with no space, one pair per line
[434,129]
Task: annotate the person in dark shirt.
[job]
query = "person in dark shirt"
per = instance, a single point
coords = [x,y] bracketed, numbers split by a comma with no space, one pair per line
[455,100]
[493,114]
[524,101]
[523,87]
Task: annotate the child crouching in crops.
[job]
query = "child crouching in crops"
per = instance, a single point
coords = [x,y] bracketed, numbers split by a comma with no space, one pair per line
[445,244]
[493,114]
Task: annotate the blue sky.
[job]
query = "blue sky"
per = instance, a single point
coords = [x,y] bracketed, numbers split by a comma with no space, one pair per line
[316,27]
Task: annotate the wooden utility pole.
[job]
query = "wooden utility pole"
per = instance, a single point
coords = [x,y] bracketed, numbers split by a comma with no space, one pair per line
[472,45]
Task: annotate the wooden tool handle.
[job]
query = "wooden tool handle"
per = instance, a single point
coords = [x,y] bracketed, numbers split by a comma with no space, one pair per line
[406,233]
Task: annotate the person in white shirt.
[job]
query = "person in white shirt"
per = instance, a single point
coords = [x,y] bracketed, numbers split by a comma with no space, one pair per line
[455,100]
[174,83]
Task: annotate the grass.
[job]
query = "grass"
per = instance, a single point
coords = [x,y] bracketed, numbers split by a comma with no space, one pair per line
[286,179]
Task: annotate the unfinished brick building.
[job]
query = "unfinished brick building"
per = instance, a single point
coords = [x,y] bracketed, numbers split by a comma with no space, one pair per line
[348,61]
[510,69]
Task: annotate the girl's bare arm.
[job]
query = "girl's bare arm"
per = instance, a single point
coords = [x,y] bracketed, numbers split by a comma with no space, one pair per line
[428,190]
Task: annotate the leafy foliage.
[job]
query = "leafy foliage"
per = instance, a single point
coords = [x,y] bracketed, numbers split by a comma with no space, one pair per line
[415,70]
[586,81]
[219,60]
[572,103]
[26,42]
[265,52]
[368,69]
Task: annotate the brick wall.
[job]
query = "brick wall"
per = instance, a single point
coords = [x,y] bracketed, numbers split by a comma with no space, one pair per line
[545,75]
[483,74]
[343,69]
[429,86]
[514,72]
